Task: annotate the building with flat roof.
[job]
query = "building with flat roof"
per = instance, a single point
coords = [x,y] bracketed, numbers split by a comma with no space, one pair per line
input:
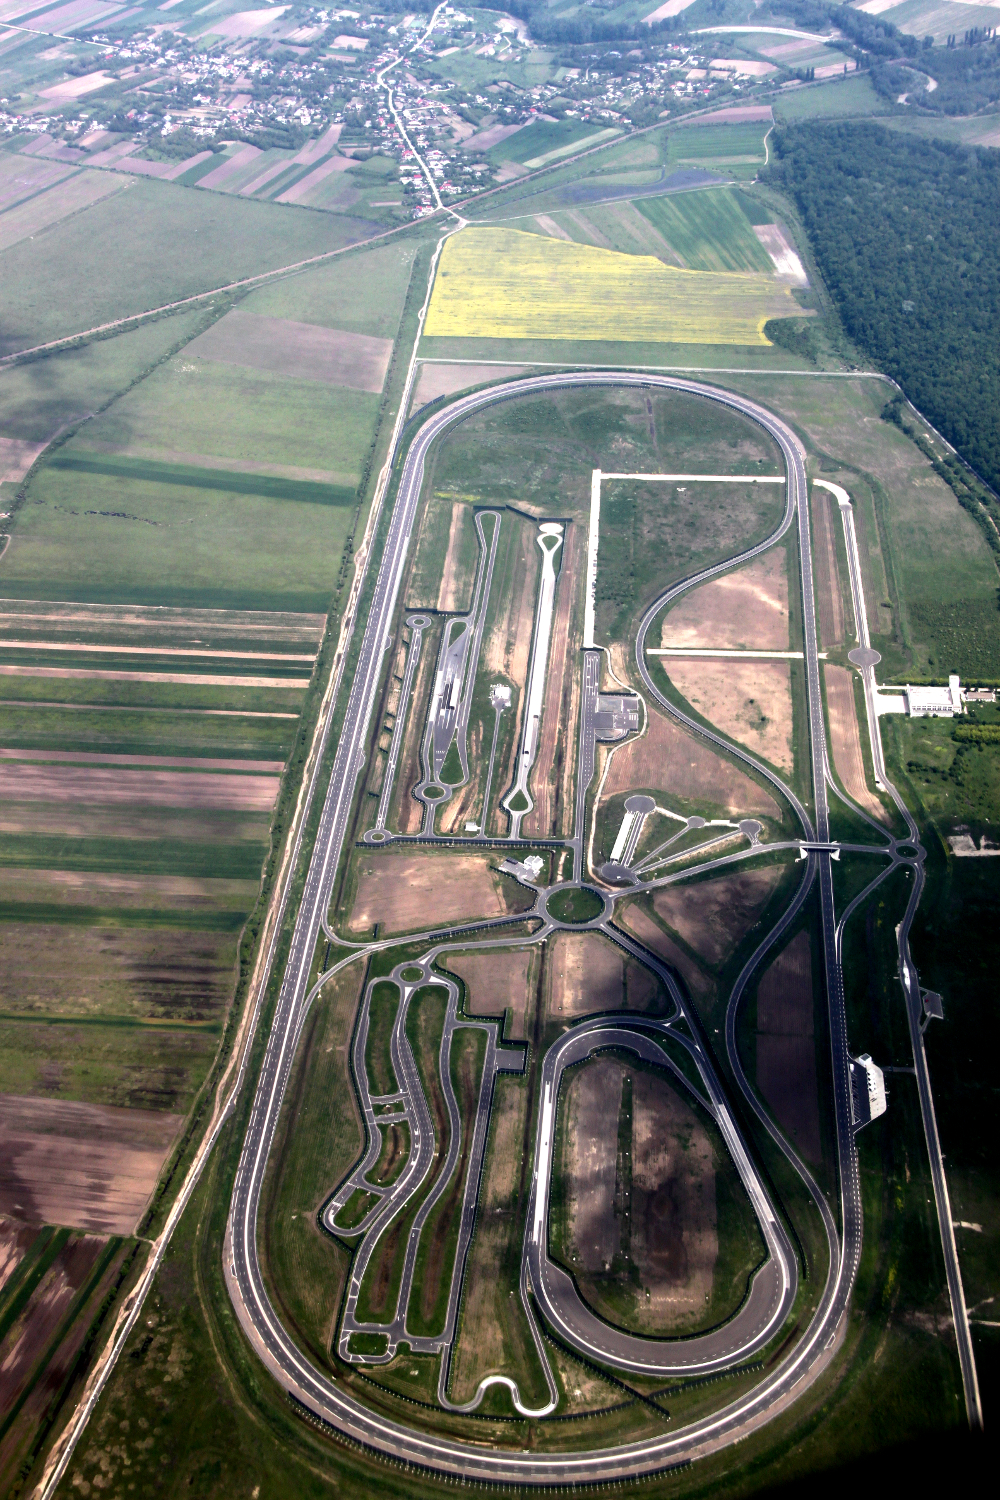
[867,1090]
[934,702]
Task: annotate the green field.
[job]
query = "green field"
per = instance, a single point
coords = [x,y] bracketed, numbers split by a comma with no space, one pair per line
[844,98]
[708,229]
[60,279]
[101,537]
[541,137]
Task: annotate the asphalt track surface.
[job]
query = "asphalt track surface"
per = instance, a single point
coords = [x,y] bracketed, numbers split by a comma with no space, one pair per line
[290,1367]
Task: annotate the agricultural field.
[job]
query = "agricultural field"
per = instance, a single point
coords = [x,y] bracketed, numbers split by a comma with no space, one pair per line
[555,290]
[59,279]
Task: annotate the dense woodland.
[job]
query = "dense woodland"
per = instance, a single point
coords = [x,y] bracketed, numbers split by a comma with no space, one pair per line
[904,232]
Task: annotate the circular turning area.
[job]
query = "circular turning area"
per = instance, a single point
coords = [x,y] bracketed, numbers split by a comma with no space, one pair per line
[575,905]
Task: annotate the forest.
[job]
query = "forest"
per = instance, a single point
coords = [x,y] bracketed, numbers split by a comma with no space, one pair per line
[904,233]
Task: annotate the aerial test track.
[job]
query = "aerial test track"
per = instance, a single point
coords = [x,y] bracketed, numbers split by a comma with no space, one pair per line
[317,1392]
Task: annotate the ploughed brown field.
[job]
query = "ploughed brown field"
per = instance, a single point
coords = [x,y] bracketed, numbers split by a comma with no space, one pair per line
[674,1241]
[786,1047]
[409,892]
[583,974]
[445,380]
[144,788]
[591,1102]
[504,980]
[713,915]
[39,1349]
[636,920]
[667,758]
[751,701]
[845,739]
[86,1166]
[743,610]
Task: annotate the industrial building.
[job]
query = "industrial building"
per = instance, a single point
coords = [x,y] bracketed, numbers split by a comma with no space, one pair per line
[867,1090]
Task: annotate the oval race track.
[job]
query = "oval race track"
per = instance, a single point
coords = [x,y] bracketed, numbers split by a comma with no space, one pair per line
[293,1371]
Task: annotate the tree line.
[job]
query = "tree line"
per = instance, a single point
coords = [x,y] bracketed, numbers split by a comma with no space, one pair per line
[904,234]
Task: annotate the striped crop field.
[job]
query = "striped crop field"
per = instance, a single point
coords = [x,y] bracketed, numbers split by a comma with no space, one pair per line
[504,284]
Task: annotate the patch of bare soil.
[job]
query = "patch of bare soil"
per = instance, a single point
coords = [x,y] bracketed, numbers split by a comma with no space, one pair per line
[712,916]
[47,1306]
[444,380]
[552,778]
[504,980]
[749,701]
[845,739]
[87,1166]
[14,1241]
[589,1165]
[451,583]
[829,601]
[304,351]
[786,1048]
[743,610]
[670,759]
[674,1240]
[412,892]
[146,788]
[638,921]
[583,975]
[87,888]
[643,991]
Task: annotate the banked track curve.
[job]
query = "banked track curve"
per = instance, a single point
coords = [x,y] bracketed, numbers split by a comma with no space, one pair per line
[316,1391]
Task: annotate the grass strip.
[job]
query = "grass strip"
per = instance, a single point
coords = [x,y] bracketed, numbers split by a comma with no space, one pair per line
[271,487]
[99,916]
[235,861]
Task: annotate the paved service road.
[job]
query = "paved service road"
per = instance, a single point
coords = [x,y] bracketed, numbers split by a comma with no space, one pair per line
[291,1368]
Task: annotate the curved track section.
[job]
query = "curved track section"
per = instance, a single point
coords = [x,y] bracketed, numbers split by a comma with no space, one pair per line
[773,1287]
[315,1390]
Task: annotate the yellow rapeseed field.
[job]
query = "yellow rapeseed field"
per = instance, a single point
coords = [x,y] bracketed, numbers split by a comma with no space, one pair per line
[503,284]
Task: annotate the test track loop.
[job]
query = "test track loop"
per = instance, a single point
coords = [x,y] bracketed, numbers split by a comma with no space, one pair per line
[317,1391]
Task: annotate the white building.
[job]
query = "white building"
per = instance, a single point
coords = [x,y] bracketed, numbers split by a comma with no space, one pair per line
[934,702]
[867,1090]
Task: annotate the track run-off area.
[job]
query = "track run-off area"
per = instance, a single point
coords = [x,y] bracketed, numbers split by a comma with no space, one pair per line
[543,1285]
